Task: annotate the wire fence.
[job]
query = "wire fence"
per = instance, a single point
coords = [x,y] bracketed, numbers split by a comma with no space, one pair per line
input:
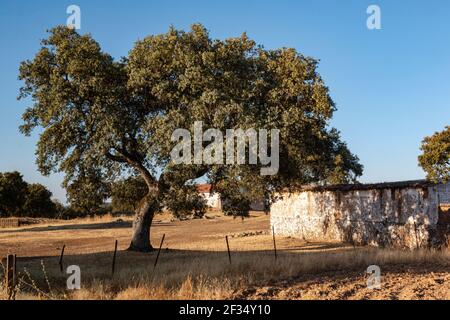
[9,222]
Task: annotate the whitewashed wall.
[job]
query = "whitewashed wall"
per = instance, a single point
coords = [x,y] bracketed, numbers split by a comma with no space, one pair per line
[399,217]
[212,200]
[444,193]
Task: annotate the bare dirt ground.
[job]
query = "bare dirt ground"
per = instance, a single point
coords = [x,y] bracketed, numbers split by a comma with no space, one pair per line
[96,235]
[410,283]
[194,263]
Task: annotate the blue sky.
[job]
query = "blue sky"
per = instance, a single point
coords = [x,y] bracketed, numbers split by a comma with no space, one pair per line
[391,86]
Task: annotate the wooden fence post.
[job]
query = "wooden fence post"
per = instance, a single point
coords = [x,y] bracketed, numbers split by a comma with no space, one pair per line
[15,279]
[274,243]
[10,275]
[114,259]
[61,265]
[228,248]
[159,251]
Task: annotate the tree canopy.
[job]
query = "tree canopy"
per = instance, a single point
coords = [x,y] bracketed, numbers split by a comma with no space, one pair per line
[113,118]
[87,194]
[20,199]
[435,157]
[126,193]
[38,202]
[13,190]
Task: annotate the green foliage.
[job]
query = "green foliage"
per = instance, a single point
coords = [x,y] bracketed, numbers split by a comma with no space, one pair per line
[67,212]
[116,118]
[435,157]
[185,201]
[235,200]
[126,194]
[87,194]
[38,202]
[18,198]
[346,166]
[61,211]
[13,192]
[238,193]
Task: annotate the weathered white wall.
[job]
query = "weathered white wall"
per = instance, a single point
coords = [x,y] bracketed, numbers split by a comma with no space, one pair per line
[444,193]
[399,217]
[212,200]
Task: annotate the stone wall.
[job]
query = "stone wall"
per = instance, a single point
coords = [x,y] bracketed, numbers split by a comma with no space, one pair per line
[444,193]
[402,214]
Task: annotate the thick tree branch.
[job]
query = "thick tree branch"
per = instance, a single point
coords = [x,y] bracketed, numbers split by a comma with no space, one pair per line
[115,158]
[164,179]
[134,161]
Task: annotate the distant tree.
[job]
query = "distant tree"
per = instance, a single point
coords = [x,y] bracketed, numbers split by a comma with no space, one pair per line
[117,117]
[59,209]
[13,191]
[185,201]
[18,198]
[87,194]
[126,193]
[38,202]
[237,194]
[235,203]
[435,157]
[66,212]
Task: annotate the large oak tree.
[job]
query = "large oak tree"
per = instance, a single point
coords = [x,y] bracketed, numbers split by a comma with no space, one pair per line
[113,118]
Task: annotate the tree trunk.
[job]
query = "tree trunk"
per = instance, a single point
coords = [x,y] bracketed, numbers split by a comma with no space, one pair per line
[141,226]
[149,204]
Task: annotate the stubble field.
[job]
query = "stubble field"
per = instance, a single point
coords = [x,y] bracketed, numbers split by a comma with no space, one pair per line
[194,263]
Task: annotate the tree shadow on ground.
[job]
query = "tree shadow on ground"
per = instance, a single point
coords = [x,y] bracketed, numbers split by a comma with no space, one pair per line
[134,264]
[86,226]
[317,246]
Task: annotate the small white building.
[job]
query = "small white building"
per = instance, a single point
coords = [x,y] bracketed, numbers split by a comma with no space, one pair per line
[212,198]
[214,201]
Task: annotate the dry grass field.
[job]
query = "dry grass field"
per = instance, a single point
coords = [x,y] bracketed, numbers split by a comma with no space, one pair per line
[194,263]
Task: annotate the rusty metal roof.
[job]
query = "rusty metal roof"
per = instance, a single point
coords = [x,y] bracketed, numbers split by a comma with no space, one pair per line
[204,188]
